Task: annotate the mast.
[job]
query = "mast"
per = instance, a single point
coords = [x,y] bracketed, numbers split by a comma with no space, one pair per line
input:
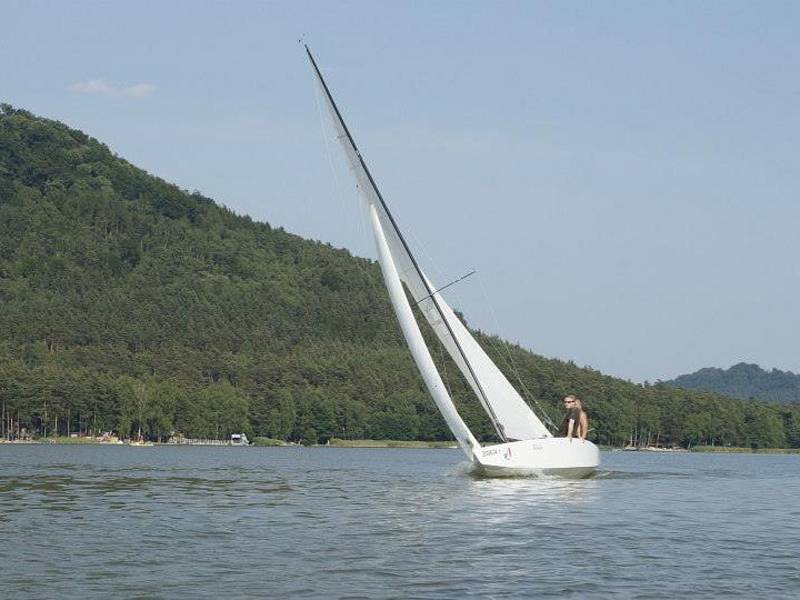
[430,291]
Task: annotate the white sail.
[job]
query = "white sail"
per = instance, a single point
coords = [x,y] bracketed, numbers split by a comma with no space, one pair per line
[510,414]
[416,343]
[517,420]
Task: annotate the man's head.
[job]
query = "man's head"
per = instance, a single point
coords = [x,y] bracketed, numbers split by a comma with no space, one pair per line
[569,401]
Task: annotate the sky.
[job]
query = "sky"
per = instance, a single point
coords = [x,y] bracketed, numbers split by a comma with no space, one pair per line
[624,176]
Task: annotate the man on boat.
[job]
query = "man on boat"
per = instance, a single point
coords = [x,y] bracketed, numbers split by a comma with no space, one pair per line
[575,423]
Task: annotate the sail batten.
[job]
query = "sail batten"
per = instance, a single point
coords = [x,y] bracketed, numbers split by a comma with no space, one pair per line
[510,415]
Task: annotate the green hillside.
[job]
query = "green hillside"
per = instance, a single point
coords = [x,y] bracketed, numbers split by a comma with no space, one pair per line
[126,301]
[744,381]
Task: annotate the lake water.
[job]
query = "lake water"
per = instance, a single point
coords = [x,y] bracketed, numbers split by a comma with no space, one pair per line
[164,522]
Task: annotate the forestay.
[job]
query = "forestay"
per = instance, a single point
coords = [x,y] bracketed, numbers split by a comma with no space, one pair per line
[510,414]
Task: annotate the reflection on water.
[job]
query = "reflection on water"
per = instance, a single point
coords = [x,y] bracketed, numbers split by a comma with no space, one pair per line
[518,492]
[277,522]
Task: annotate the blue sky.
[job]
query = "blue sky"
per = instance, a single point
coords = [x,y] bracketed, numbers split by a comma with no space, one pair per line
[624,176]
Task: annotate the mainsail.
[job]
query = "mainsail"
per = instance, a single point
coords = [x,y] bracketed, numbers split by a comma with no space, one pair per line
[511,416]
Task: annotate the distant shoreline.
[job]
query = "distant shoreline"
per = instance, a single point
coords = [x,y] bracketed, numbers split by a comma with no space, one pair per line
[258,441]
[413,444]
[735,450]
[338,443]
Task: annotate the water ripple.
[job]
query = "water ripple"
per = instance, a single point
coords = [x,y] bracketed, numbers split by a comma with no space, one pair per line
[215,522]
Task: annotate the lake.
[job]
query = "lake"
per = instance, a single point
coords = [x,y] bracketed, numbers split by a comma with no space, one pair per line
[100,521]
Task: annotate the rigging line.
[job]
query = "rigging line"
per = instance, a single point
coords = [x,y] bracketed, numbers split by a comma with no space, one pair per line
[360,217]
[329,155]
[512,364]
[443,357]
[444,287]
[509,363]
[434,266]
[427,256]
[498,426]
[443,362]
[515,370]
[344,206]
[381,344]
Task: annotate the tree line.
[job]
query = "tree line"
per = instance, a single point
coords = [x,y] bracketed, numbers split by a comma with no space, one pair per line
[126,302]
[744,381]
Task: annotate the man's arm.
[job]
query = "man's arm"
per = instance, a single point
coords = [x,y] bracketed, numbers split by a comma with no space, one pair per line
[584,428]
[570,426]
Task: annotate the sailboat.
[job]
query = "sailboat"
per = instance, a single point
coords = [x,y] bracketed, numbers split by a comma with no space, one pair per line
[527,447]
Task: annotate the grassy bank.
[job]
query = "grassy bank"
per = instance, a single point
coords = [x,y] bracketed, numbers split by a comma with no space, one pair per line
[269,442]
[336,442]
[63,439]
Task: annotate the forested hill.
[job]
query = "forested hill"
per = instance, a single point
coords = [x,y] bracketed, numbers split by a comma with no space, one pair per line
[126,301]
[744,380]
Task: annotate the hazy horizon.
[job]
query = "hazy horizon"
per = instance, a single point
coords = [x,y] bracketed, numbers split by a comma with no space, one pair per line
[623,177]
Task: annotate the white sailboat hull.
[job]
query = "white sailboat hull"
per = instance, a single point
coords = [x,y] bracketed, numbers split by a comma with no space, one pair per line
[545,456]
